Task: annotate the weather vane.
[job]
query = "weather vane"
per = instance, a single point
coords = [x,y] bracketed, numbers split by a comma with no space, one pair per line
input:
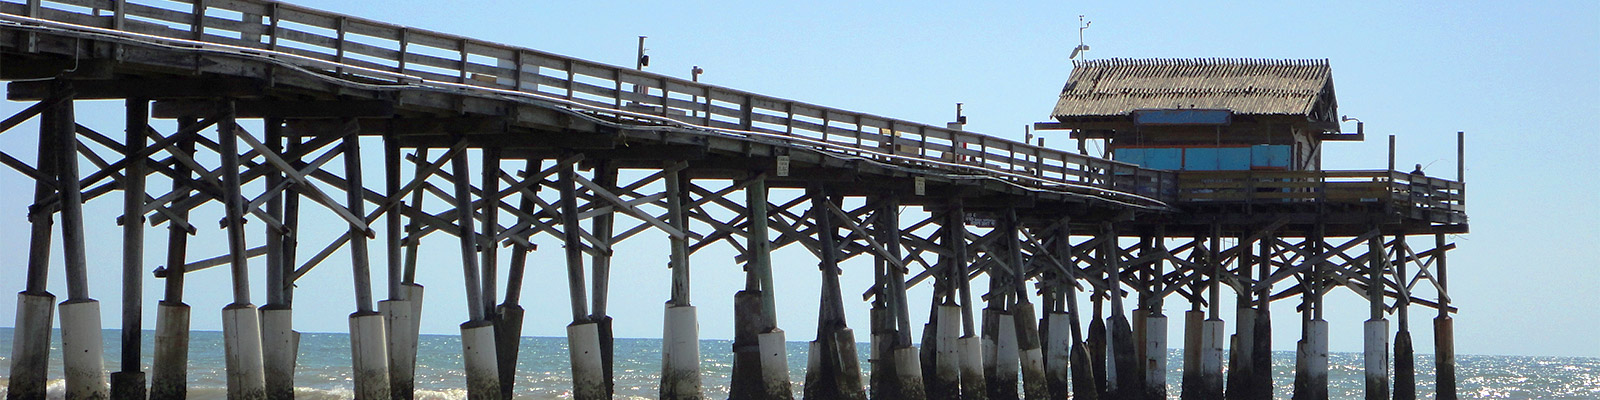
[1077,51]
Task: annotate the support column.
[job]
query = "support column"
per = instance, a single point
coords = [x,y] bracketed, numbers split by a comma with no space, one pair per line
[680,355]
[81,343]
[1029,351]
[1405,368]
[1213,330]
[1083,378]
[605,176]
[1241,350]
[834,369]
[477,334]
[169,367]
[1261,354]
[398,311]
[1376,329]
[1123,355]
[279,342]
[583,335]
[369,338]
[1096,342]
[129,383]
[1192,320]
[241,322]
[904,365]
[1444,339]
[1155,324]
[1311,366]
[969,346]
[30,351]
[771,347]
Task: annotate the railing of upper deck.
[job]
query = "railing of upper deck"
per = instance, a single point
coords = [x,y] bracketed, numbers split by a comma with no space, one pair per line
[381,52]
[1415,195]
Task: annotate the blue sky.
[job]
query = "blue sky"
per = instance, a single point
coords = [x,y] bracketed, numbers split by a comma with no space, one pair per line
[1520,80]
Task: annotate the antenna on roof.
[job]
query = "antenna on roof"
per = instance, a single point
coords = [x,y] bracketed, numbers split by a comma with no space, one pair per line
[1077,51]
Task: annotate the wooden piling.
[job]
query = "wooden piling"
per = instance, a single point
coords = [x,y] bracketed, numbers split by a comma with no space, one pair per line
[1376,329]
[169,367]
[583,336]
[680,353]
[129,382]
[602,225]
[477,334]
[30,351]
[1444,342]
[835,370]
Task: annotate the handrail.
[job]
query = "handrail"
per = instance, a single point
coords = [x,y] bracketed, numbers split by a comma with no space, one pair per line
[1404,190]
[380,51]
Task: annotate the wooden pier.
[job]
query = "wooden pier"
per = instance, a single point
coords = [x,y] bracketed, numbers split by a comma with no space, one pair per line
[505,144]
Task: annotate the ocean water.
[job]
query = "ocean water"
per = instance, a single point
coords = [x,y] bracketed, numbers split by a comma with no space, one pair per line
[542,373]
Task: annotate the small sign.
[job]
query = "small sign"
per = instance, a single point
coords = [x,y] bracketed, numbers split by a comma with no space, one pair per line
[982,220]
[783,165]
[921,186]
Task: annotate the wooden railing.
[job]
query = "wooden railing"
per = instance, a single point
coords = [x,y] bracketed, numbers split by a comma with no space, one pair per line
[375,51]
[1403,191]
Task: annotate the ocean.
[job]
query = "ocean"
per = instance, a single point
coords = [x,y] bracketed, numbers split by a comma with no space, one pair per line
[323,371]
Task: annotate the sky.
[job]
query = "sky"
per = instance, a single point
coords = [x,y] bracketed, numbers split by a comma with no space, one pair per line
[1519,80]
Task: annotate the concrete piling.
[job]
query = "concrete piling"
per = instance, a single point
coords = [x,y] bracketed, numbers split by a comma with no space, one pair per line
[974,385]
[1058,354]
[944,383]
[369,353]
[402,347]
[1262,385]
[279,344]
[747,382]
[478,353]
[775,365]
[1241,353]
[680,354]
[588,381]
[1212,336]
[30,346]
[241,331]
[1316,360]
[169,369]
[1375,356]
[82,349]
[1192,342]
[1035,384]
[1155,357]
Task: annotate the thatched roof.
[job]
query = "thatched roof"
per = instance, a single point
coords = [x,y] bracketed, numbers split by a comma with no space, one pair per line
[1116,87]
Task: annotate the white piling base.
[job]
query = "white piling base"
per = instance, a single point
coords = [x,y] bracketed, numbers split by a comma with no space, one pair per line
[908,370]
[241,332]
[1006,355]
[1213,336]
[1155,356]
[973,384]
[402,346]
[83,350]
[1376,357]
[478,353]
[169,369]
[1317,355]
[279,349]
[588,373]
[947,360]
[774,364]
[369,355]
[680,354]
[30,350]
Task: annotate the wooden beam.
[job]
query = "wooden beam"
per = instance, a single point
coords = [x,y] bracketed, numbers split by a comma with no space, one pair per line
[305,109]
[161,88]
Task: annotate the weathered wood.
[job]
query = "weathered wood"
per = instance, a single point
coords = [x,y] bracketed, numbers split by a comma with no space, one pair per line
[136,113]
[469,240]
